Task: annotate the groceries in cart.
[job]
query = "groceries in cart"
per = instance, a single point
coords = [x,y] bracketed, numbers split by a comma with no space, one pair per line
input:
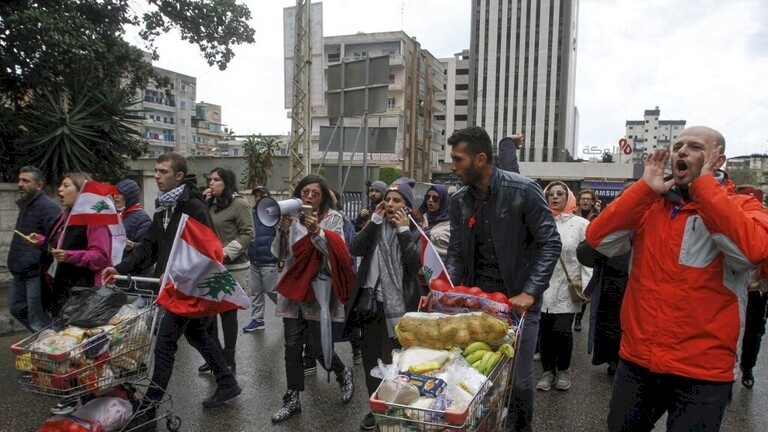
[449,299]
[453,373]
[67,359]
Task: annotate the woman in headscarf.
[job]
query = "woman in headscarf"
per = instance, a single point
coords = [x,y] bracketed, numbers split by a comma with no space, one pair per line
[312,246]
[387,284]
[559,306]
[436,219]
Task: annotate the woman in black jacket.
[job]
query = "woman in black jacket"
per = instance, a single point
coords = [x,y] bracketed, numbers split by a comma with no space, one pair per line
[387,284]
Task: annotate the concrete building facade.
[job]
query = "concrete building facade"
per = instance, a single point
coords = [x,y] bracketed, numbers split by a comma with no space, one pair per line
[522,74]
[167,123]
[455,97]
[208,133]
[650,133]
[415,77]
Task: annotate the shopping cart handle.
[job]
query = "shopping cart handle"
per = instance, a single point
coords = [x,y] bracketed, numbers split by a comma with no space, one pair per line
[130,278]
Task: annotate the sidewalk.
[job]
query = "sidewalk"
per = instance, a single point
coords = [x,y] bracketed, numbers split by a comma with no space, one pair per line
[8,325]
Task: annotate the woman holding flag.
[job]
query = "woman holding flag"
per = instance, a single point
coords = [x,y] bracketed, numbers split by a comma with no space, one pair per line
[316,260]
[77,250]
[387,284]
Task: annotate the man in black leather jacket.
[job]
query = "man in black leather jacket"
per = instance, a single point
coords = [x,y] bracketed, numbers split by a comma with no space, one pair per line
[503,238]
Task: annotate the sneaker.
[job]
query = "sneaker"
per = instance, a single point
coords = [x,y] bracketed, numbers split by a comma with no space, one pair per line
[222,395]
[537,357]
[310,367]
[369,422]
[254,325]
[347,384]
[546,381]
[747,378]
[563,380]
[66,406]
[357,357]
[577,326]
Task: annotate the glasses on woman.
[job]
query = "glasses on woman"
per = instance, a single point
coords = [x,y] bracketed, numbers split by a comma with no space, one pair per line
[310,192]
[434,198]
[558,192]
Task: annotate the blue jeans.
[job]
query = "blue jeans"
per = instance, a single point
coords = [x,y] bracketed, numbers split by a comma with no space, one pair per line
[263,281]
[26,303]
[520,415]
[640,397]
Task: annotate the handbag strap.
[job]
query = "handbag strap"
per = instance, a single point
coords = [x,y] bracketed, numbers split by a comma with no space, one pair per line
[567,276]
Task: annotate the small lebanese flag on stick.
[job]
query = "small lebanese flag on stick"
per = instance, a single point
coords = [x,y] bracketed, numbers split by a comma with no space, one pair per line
[93,206]
[196,284]
[431,265]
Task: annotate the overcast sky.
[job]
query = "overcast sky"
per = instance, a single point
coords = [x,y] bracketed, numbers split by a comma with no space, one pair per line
[705,62]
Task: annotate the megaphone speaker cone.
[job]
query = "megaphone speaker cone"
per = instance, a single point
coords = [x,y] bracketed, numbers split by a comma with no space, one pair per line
[269,211]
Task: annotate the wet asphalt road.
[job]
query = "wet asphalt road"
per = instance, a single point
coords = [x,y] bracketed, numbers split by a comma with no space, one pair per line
[261,375]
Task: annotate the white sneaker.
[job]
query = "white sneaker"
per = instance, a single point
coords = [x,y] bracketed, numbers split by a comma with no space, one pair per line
[563,380]
[546,381]
[537,357]
[66,406]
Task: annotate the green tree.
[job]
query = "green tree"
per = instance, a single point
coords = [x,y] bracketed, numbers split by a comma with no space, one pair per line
[43,41]
[259,152]
[85,126]
[44,44]
[388,175]
[744,176]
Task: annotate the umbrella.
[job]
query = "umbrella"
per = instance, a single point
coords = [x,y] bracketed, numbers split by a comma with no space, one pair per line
[321,285]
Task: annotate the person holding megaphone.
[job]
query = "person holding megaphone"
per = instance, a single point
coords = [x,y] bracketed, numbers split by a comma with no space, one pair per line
[316,262]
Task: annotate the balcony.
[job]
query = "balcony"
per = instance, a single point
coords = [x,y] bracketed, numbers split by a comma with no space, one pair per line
[160,103]
[396,60]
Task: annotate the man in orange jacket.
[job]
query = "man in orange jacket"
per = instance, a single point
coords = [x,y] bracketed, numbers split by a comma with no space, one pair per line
[694,242]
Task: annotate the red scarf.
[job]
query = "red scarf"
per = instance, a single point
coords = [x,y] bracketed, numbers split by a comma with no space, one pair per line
[131,209]
[297,284]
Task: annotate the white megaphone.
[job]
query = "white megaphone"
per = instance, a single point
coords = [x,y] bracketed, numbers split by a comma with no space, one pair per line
[269,211]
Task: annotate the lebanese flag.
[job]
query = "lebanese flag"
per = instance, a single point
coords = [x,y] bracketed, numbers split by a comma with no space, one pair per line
[431,265]
[94,206]
[196,284]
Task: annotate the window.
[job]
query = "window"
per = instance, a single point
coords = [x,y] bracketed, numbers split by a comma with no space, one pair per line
[391,103]
[183,122]
[183,138]
[183,104]
[235,152]
[183,87]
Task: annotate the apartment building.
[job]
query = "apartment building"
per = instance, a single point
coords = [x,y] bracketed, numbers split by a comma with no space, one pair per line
[455,97]
[208,133]
[167,122]
[415,78]
[650,133]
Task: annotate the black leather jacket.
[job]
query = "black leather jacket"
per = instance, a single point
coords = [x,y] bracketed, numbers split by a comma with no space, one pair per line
[525,235]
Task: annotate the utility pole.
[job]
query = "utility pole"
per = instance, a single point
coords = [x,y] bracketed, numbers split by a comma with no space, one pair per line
[299,152]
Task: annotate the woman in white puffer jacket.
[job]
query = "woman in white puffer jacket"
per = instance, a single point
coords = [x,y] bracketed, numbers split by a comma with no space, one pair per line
[558,306]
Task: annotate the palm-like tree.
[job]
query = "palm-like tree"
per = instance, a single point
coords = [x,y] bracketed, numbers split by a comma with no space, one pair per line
[82,126]
[259,152]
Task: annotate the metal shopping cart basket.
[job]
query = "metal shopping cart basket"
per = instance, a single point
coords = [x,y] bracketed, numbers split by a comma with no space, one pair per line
[486,411]
[66,362]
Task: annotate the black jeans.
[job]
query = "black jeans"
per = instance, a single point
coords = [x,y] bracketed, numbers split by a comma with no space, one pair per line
[754,329]
[294,331]
[556,341]
[640,398]
[376,344]
[171,328]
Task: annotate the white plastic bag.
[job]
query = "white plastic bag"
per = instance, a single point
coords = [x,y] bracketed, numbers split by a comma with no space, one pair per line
[111,413]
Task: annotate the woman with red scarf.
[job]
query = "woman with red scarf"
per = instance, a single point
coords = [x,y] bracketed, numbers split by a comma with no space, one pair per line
[136,221]
[313,248]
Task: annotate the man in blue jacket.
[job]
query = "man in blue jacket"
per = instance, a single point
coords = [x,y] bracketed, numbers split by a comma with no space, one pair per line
[37,213]
[263,265]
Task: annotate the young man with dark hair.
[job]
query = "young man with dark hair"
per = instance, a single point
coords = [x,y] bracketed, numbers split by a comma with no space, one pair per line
[178,194]
[503,239]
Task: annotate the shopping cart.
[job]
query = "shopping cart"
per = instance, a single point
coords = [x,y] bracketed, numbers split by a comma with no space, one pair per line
[486,411]
[101,359]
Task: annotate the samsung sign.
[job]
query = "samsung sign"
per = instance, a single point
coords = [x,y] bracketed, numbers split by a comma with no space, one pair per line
[605,190]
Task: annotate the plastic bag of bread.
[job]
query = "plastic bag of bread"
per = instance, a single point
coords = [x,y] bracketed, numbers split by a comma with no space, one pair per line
[440,331]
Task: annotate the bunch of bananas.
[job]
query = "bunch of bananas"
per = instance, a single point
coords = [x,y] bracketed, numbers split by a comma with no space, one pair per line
[483,358]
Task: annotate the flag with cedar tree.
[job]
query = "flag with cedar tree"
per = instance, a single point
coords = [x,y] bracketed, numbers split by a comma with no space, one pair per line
[94,206]
[432,266]
[195,283]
